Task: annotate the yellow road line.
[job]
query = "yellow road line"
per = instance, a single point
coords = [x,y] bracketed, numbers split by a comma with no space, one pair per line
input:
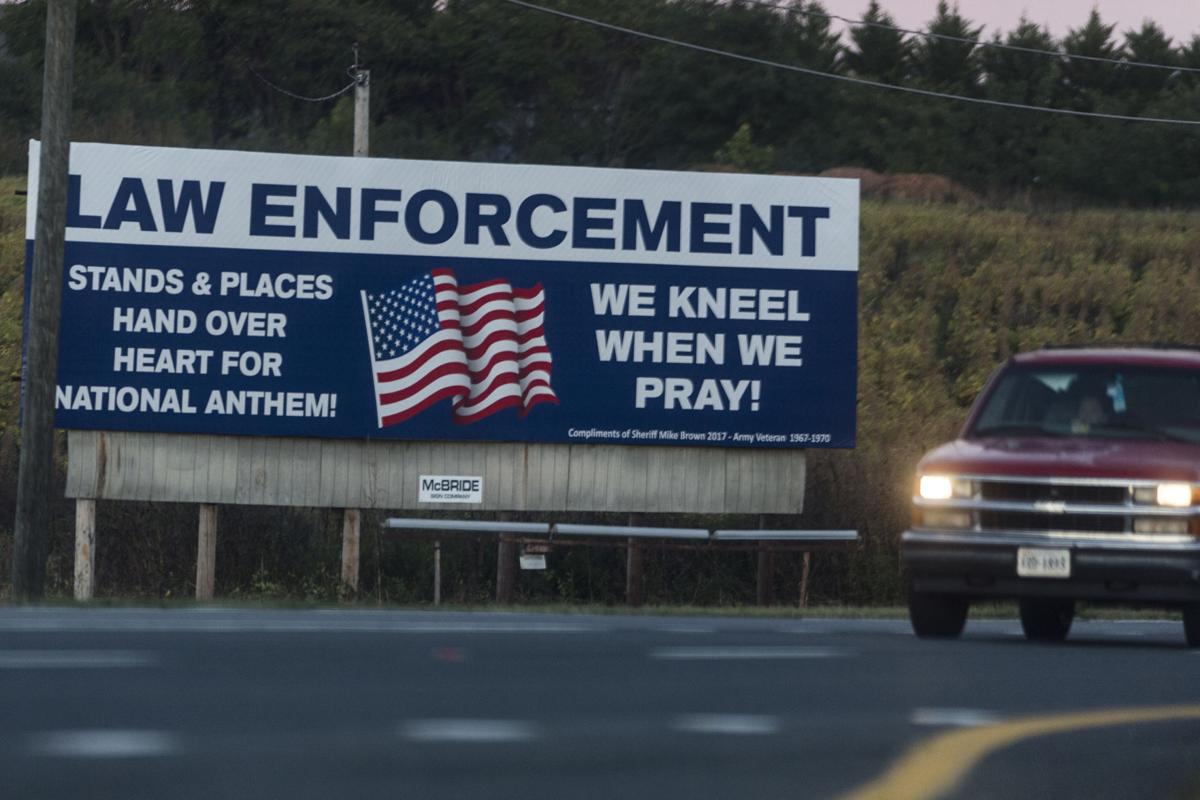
[938,765]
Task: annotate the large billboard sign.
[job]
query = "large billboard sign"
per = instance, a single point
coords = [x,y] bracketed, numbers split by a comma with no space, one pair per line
[277,295]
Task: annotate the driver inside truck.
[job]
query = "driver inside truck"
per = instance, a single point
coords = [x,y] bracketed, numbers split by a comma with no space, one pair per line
[1094,407]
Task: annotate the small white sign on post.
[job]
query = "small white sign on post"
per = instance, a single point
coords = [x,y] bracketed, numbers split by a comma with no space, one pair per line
[533,561]
[451,489]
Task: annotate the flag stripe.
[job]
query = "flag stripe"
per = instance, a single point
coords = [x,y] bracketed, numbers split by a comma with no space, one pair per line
[433,372]
[448,386]
[469,302]
[532,333]
[476,349]
[491,314]
[509,397]
[499,352]
[500,294]
[484,383]
[503,385]
[537,395]
[535,377]
[448,346]
[541,359]
[506,402]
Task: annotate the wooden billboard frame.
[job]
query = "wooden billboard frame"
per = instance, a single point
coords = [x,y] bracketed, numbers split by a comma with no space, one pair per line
[353,475]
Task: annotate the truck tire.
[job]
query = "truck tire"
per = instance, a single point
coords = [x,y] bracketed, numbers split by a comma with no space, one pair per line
[937,616]
[1191,624]
[1046,619]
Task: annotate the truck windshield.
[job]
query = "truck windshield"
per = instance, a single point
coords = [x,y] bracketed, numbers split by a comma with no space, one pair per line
[1094,402]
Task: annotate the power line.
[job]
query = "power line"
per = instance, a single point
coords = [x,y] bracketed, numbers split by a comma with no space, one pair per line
[281,90]
[1061,54]
[845,78]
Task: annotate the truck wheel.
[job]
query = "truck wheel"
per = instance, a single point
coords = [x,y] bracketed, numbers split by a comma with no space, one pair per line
[937,616]
[1046,620]
[1191,624]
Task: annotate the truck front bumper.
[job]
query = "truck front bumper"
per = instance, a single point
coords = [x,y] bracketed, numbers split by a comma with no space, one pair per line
[985,565]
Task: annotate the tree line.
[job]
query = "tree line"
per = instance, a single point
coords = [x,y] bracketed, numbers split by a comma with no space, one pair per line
[489,80]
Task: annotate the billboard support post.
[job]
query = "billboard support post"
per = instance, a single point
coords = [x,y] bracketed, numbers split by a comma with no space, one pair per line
[765,594]
[206,553]
[31,526]
[85,548]
[351,538]
[804,572]
[634,596]
[506,569]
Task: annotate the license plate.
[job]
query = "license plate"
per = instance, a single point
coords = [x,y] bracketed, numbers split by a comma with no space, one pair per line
[1038,562]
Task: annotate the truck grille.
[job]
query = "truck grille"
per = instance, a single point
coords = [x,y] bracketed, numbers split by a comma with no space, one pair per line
[1032,506]
[1017,492]
[1037,521]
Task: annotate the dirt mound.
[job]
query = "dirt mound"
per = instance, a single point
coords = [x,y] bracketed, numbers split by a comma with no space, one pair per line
[920,186]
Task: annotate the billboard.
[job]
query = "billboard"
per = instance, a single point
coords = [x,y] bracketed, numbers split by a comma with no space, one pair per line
[230,292]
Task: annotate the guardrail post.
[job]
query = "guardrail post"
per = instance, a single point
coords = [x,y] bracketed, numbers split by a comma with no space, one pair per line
[506,569]
[804,570]
[437,573]
[633,573]
[765,595]
[85,548]
[206,553]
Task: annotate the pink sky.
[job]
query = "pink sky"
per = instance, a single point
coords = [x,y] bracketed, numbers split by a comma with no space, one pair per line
[1179,18]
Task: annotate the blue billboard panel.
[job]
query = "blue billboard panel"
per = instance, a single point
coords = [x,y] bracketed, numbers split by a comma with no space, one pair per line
[272,295]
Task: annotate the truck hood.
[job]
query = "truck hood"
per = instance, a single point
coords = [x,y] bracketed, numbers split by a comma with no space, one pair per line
[1036,457]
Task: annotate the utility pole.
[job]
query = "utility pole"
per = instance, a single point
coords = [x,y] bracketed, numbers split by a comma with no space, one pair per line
[31,527]
[362,107]
[352,517]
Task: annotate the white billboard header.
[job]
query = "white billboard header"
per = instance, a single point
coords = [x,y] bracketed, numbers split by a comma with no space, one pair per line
[122,194]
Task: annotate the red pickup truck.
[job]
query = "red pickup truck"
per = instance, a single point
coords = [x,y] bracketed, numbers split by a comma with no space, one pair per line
[1075,478]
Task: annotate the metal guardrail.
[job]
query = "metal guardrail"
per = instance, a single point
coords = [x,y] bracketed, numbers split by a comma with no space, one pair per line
[550,530]
[536,538]
[784,536]
[626,531]
[468,526]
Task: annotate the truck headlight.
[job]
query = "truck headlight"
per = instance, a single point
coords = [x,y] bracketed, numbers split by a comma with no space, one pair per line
[944,487]
[936,487]
[1175,495]
[1171,495]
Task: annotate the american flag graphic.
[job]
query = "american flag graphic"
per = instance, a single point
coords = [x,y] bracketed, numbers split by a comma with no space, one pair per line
[483,346]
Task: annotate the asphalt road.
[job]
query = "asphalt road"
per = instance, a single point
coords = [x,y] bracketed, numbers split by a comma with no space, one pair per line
[123,704]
